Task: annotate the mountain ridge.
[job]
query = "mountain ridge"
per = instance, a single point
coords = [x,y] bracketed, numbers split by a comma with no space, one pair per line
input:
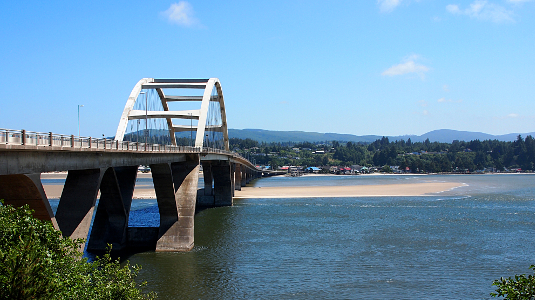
[439,135]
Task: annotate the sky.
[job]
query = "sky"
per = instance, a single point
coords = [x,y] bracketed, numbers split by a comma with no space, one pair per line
[381,67]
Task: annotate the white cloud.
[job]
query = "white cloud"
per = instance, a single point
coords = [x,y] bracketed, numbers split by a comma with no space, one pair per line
[512,116]
[180,13]
[445,88]
[422,103]
[443,100]
[484,11]
[408,66]
[452,8]
[388,5]
[518,1]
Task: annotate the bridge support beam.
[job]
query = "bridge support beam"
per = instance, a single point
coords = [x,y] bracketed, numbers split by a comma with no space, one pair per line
[206,199]
[208,178]
[176,192]
[223,190]
[237,177]
[243,179]
[232,178]
[111,219]
[77,202]
[251,176]
[21,189]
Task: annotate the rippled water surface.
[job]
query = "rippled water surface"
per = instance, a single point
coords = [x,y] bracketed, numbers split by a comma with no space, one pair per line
[446,246]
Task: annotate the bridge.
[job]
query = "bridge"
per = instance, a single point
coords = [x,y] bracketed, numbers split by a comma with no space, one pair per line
[106,169]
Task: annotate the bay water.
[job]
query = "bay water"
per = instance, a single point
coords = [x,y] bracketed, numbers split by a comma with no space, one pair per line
[449,245]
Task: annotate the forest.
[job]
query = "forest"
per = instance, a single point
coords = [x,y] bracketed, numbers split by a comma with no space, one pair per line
[418,157]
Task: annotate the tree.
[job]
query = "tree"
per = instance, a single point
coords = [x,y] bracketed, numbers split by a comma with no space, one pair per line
[36,262]
[386,169]
[518,288]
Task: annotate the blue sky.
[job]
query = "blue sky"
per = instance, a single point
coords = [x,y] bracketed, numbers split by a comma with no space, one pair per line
[387,67]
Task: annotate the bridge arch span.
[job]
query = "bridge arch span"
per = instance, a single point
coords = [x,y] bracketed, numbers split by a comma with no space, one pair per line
[212,93]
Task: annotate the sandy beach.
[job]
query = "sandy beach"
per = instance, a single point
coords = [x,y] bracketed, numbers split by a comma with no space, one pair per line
[413,189]
[408,189]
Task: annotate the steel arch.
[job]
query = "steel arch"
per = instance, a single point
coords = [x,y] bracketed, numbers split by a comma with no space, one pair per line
[201,114]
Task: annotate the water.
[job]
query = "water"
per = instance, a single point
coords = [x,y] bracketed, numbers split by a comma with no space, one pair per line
[446,246]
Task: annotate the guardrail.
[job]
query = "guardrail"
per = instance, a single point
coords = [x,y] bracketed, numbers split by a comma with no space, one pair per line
[49,139]
[71,142]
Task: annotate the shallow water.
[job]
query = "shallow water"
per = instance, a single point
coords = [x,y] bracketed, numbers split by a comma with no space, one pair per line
[451,245]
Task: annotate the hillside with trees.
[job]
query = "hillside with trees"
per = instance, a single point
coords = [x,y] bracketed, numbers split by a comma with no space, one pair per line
[414,157]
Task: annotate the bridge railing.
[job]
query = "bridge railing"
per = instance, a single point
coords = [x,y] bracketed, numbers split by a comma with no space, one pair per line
[43,140]
[49,139]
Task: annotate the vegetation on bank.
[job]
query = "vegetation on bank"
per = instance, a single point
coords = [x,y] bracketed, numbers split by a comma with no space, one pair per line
[520,287]
[36,262]
[420,157]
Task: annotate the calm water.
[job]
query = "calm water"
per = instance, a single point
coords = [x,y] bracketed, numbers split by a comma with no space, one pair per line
[446,246]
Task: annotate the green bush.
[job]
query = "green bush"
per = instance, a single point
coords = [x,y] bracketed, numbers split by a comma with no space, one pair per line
[36,262]
[521,287]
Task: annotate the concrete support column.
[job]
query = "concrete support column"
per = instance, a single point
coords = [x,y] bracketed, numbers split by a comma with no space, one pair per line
[162,178]
[243,178]
[18,190]
[248,177]
[222,183]
[207,198]
[232,178]
[177,212]
[77,202]
[111,220]
[237,177]
[208,179]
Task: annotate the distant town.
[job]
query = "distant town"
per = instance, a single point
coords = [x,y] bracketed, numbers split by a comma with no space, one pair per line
[383,155]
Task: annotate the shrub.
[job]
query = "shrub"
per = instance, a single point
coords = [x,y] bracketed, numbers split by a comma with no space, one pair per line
[518,288]
[36,262]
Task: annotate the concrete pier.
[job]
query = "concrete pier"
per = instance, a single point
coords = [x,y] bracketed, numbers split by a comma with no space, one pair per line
[111,220]
[223,189]
[177,196]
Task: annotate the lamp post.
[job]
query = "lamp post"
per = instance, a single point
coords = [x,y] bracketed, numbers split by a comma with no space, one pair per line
[79,105]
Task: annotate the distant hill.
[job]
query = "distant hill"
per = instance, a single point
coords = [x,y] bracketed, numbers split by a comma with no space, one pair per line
[442,135]
[269,136]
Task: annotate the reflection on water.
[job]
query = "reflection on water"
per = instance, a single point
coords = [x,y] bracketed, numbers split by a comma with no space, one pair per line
[447,246]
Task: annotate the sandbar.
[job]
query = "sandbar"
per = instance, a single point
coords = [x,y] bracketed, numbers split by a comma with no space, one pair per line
[384,190]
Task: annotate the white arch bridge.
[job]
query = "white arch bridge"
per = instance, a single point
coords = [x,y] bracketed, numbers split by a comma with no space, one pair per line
[157,110]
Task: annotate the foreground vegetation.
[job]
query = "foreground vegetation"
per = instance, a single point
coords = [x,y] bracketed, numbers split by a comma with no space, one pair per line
[36,262]
[521,287]
[420,157]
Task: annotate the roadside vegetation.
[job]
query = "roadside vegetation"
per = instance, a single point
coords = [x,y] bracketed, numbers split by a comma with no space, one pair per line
[420,157]
[36,262]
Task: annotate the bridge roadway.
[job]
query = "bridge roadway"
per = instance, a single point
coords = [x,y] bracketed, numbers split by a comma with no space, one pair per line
[110,167]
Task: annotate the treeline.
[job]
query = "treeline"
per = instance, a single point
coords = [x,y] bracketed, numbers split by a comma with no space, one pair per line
[426,156]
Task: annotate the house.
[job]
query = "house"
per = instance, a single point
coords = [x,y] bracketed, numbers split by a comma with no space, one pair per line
[314,170]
